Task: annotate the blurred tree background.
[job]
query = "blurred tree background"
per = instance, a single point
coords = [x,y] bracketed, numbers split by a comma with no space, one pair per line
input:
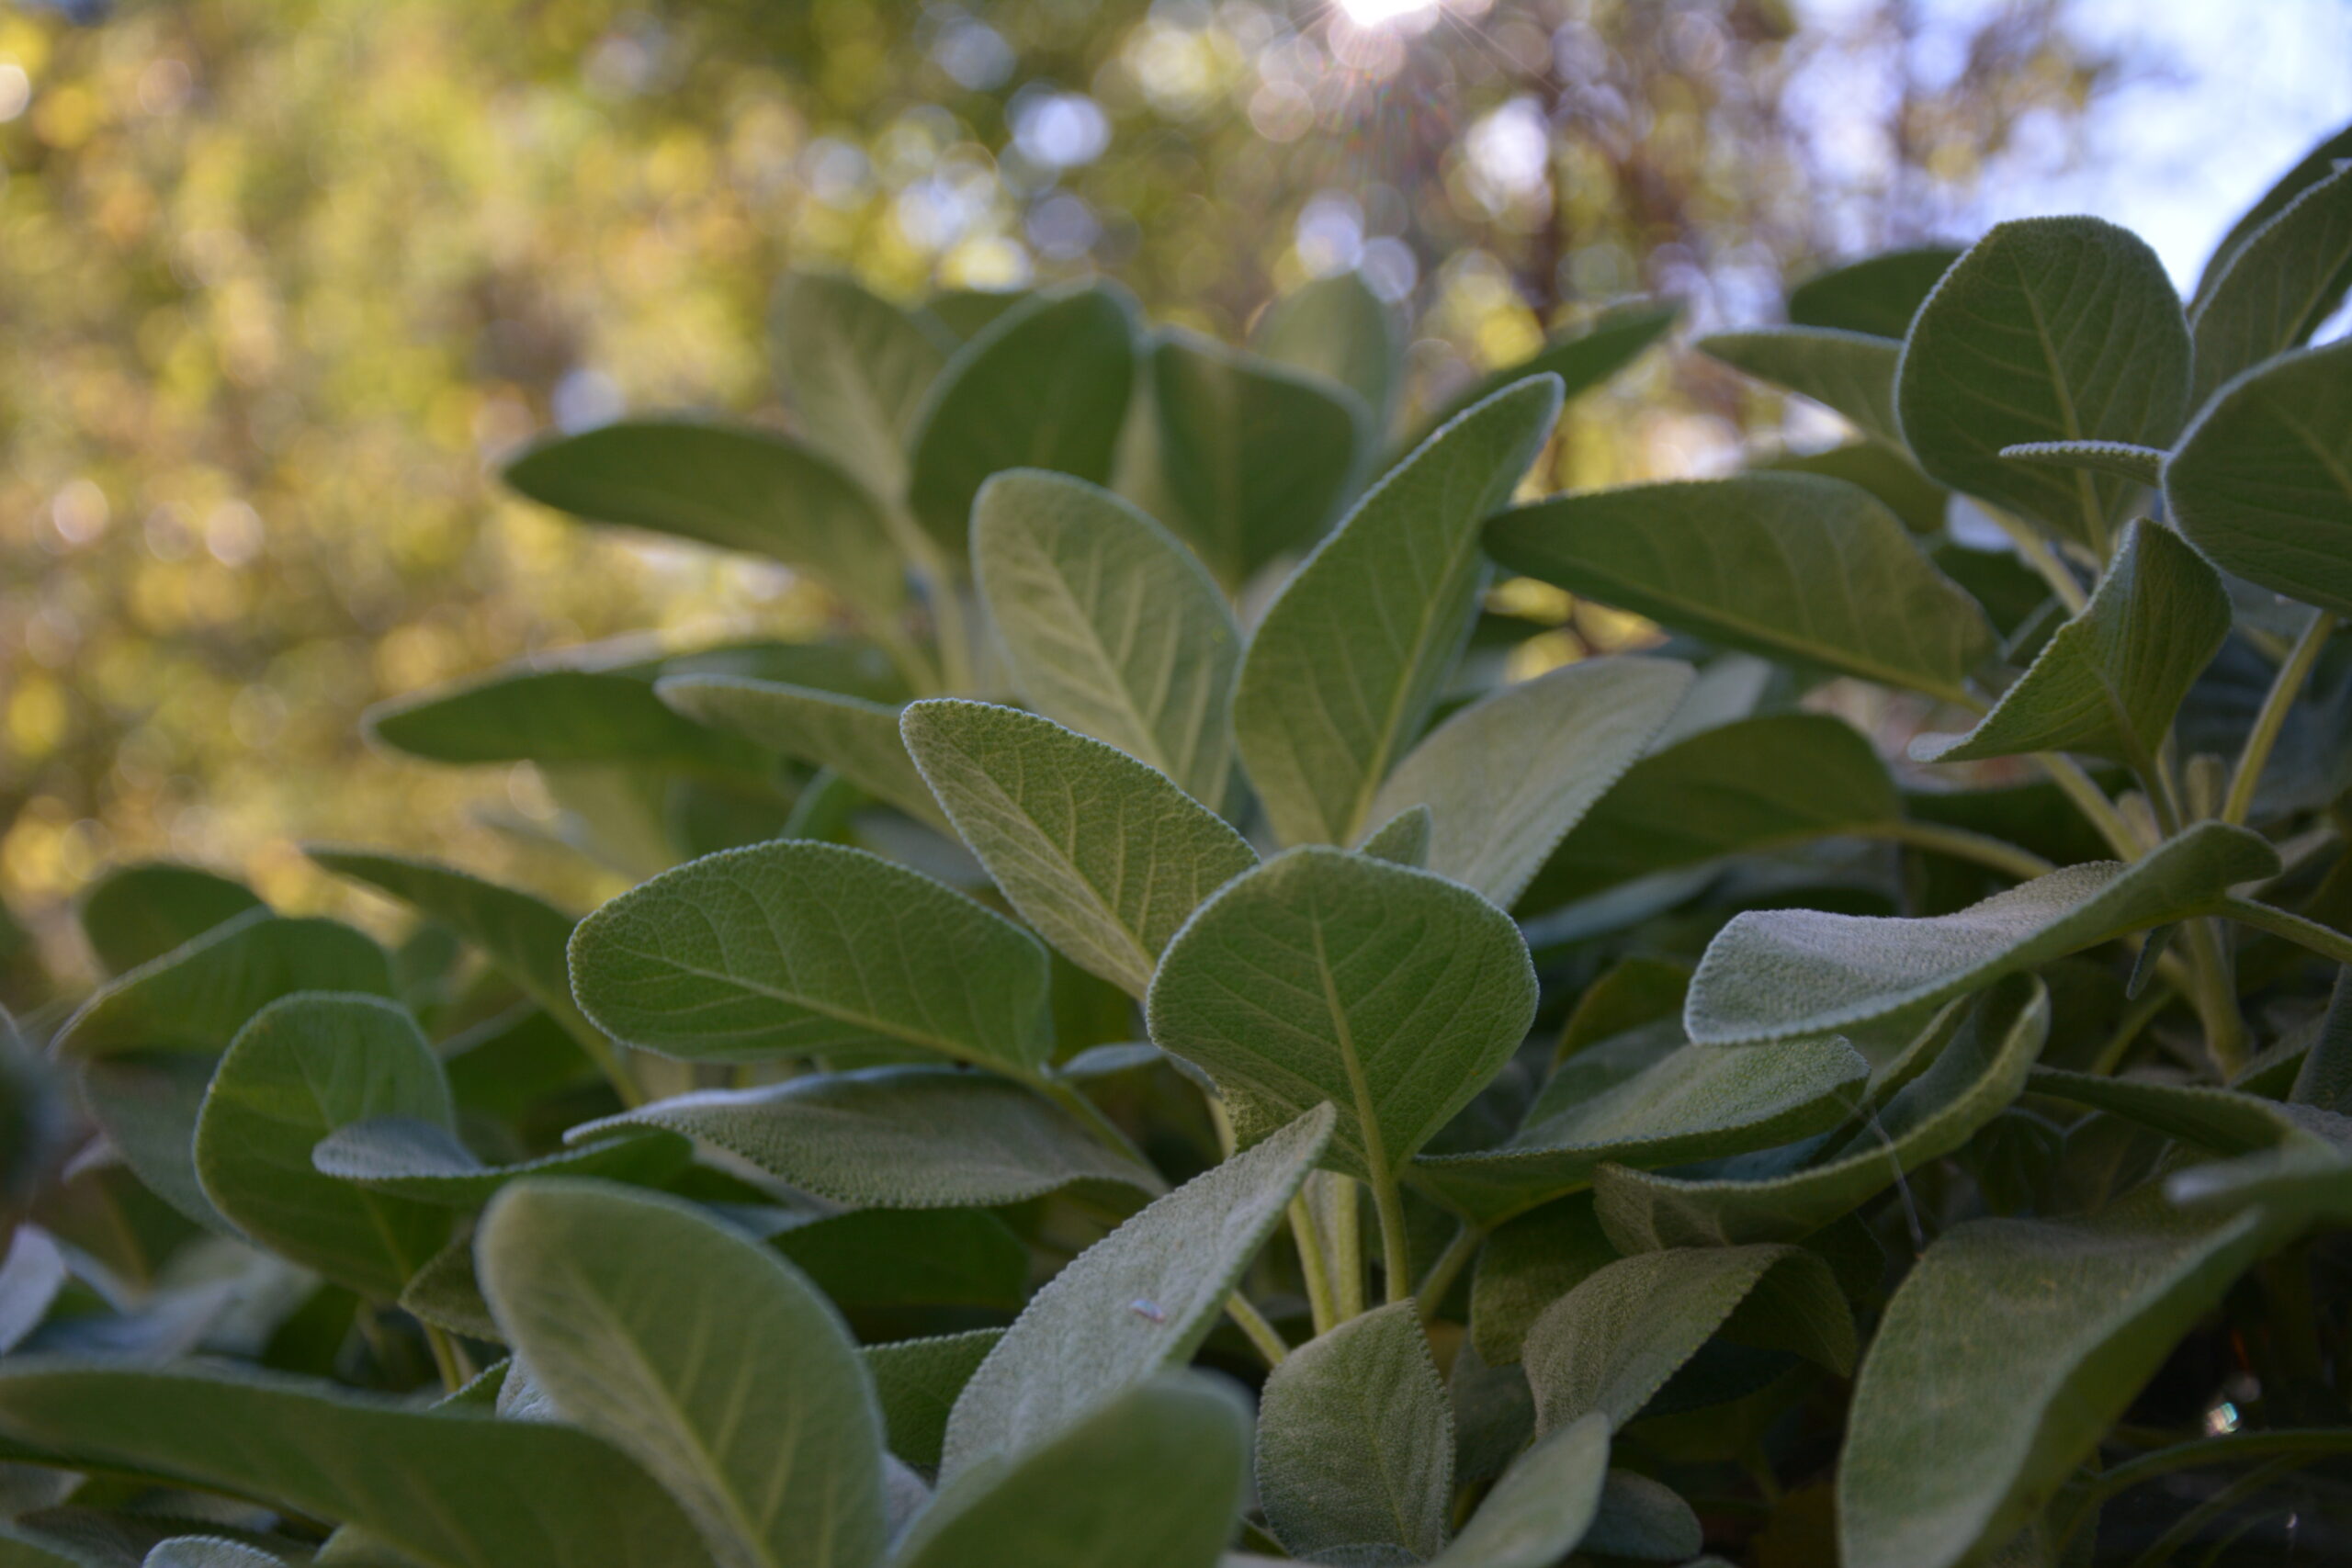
[282,280]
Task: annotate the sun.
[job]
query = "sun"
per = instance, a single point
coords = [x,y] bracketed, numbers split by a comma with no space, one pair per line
[1373,13]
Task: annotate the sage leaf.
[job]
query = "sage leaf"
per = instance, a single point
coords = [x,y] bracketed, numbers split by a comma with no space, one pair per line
[304,1066]
[1325,976]
[18,1549]
[136,913]
[208,1551]
[446,1294]
[2314,166]
[2141,465]
[916,1382]
[1629,1103]
[2261,483]
[722,1371]
[1878,294]
[1134,1305]
[1045,386]
[1507,776]
[1355,1440]
[1542,1506]
[1790,566]
[1582,358]
[796,949]
[425,1160]
[1771,975]
[1527,1264]
[2049,329]
[966,313]
[871,1258]
[1109,624]
[199,995]
[31,1273]
[1851,373]
[1350,655]
[555,717]
[1643,1519]
[1971,1080]
[1103,854]
[1337,328]
[448,1489]
[1888,472]
[1612,1341]
[856,367]
[894,1137]
[1746,787]
[146,1103]
[2000,1361]
[2224,1121]
[856,739]
[1404,838]
[737,489]
[1152,1478]
[1246,461]
[2111,680]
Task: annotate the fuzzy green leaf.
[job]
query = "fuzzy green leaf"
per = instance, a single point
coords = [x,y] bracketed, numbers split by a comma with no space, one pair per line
[2001,1361]
[425,1161]
[1151,1478]
[304,1066]
[199,995]
[1526,1265]
[2314,166]
[2222,1119]
[135,914]
[2141,465]
[738,489]
[554,716]
[1355,1440]
[1643,1519]
[1404,838]
[2262,482]
[1790,566]
[917,1380]
[1244,459]
[2110,681]
[1878,295]
[1582,359]
[208,1551]
[1772,973]
[1045,386]
[146,1104]
[1134,1305]
[721,1370]
[2049,329]
[856,367]
[856,739]
[1507,776]
[1851,373]
[894,1137]
[1339,329]
[1327,976]
[448,1489]
[1612,1341]
[796,949]
[1103,855]
[1350,655]
[1544,1504]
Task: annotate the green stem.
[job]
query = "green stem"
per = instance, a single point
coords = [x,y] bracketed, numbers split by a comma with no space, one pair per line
[2157,998]
[2092,802]
[1347,1245]
[1316,1266]
[2216,994]
[1389,1199]
[2272,718]
[2043,559]
[1961,844]
[1252,1322]
[2325,941]
[447,1357]
[1450,1264]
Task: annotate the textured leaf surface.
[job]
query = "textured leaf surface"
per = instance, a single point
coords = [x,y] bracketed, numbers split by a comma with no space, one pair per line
[2314,166]
[798,948]
[1103,855]
[894,1137]
[1631,1103]
[1878,294]
[2049,329]
[553,716]
[1526,1265]
[1136,1302]
[425,1160]
[2141,465]
[1344,670]
[2002,1359]
[1355,1440]
[916,1382]
[1338,328]
[1403,839]
[1327,976]
[195,996]
[146,1103]
[1969,1083]
[2262,482]
[738,489]
[1790,566]
[1740,788]
[857,368]
[1611,1343]
[1851,373]
[721,1370]
[1772,973]
[304,1066]
[856,739]
[208,1551]
[136,913]
[1246,459]
[449,1489]
[1507,776]
[1542,1506]
[1045,386]
[2278,289]
[1582,359]
[1110,626]
[2110,681]
[1152,1479]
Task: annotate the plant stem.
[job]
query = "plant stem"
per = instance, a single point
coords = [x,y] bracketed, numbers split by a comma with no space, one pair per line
[2043,559]
[1450,1263]
[2127,1029]
[1347,1244]
[2190,1525]
[1388,1199]
[2272,718]
[2216,995]
[1252,1322]
[1961,844]
[1105,1129]
[1315,1266]
[2325,941]
[447,1357]
[2092,802]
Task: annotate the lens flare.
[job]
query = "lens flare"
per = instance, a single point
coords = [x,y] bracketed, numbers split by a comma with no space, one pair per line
[1373,13]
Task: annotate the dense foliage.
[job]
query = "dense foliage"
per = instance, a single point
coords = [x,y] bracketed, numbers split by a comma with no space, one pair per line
[1154,952]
